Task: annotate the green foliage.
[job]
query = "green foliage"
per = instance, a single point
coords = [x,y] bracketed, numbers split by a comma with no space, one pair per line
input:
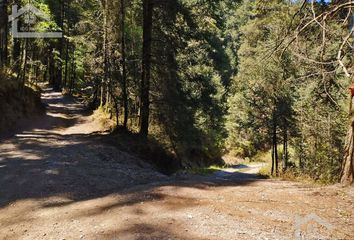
[288,88]
[195,80]
[262,91]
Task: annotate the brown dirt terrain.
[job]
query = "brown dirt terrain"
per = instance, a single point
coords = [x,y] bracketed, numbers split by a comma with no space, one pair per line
[59,181]
[17,104]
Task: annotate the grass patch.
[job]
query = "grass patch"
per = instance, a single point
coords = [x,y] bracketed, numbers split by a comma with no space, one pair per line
[292,174]
[265,171]
[264,156]
[103,118]
[205,171]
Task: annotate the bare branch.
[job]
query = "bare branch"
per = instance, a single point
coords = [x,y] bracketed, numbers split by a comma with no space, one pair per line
[339,56]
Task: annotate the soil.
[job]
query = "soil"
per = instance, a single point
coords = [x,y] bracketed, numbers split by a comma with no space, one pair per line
[17,104]
[59,180]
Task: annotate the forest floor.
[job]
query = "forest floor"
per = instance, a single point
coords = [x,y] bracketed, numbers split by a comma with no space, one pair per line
[59,181]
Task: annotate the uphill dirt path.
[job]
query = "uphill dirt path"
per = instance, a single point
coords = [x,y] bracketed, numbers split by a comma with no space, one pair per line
[58,180]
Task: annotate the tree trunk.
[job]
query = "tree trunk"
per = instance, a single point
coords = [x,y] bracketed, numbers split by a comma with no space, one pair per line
[3,33]
[347,165]
[273,159]
[16,52]
[52,74]
[59,71]
[73,73]
[347,173]
[124,74]
[24,72]
[105,54]
[66,64]
[146,65]
[285,150]
[276,156]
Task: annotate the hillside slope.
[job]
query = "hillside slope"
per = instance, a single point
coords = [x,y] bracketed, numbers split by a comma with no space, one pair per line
[16,106]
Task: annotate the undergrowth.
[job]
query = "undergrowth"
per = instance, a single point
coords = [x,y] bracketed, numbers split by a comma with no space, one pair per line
[291,174]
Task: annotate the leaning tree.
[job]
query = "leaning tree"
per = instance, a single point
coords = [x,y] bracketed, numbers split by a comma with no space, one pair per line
[327,18]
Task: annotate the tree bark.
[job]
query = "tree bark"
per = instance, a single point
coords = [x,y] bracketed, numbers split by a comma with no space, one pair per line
[24,72]
[59,71]
[73,72]
[146,68]
[105,52]
[52,74]
[66,64]
[285,150]
[347,165]
[4,31]
[347,173]
[124,73]
[16,50]
[275,158]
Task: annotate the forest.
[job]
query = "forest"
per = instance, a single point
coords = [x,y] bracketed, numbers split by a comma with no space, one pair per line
[176,119]
[202,78]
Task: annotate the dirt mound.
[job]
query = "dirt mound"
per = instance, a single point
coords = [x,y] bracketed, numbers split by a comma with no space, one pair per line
[16,105]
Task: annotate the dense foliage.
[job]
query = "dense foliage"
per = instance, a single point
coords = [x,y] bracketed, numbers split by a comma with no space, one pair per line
[290,89]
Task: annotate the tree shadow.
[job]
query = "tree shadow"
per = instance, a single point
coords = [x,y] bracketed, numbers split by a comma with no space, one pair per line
[145,231]
[39,164]
[60,175]
[84,170]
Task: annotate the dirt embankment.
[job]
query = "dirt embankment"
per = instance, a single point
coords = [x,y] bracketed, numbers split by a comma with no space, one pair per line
[17,105]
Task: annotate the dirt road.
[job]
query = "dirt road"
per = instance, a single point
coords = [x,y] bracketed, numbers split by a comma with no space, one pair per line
[59,181]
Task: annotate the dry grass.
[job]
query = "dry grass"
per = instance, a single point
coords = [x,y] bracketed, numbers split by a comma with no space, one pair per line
[7,81]
[291,174]
[103,118]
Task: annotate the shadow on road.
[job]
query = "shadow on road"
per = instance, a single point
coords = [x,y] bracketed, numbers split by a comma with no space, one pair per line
[38,163]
